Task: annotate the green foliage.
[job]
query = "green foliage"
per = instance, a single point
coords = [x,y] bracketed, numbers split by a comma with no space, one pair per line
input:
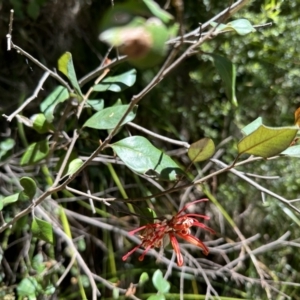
[35,153]
[117,83]
[186,143]
[227,72]
[65,65]
[201,150]
[59,95]
[266,141]
[42,230]
[109,117]
[142,157]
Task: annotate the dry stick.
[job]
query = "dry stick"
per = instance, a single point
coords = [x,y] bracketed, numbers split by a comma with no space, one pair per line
[256,185]
[70,243]
[158,136]
[10,29]
[88,195]
[100,69]
[27,101]
[35,61]
[59,281]
[105,71]
[225,13]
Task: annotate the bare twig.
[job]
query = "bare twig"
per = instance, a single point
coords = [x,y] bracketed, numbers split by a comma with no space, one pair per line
[27,101]
[10,29]
[103,200]
[256,185]
[158,136]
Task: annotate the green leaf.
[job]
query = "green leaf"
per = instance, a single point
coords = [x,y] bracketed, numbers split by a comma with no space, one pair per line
[40,123]
[227,71]
[35,152]
[109,117]
[65,65]
[143,278]
[266,141]
[74,165]
[9,199]
[38,263]
[29,186]
[96,104]
[117,83]
[241,26]
[157,11]
[28,287]
[42,230]
[293,151]
[162,285]
[141,156]
[59,95]
[201,150]
[252,126]
[5,146]
[116,293]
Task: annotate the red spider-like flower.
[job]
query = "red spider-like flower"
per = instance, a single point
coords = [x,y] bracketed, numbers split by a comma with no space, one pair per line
[153,235]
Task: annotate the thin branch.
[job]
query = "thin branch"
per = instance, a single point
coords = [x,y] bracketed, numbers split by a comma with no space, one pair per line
[27,101]
[103,200]
[10,29]
[35,61]
[158,136]
[79,258]
[256,185]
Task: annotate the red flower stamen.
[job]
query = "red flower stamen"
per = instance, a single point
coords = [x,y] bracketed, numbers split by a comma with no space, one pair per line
[152,235]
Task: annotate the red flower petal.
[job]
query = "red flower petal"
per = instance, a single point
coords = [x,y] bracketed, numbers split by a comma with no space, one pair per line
[176,248]
[195,241]
[130,252]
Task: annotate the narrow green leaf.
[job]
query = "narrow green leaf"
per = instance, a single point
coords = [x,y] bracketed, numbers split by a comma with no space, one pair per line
[109,117]
[35,152]
[143,278]
[157,297]
[252,126]
[117,83]
[201,150]
[74,165]
[142,157]
[29,186]
[293,151]
[59,95]
[9,199]
[65,65]
[158,12]
[162,285]
[266,141]
[40,124]
[96,104]
[42,230]
[116,293]
[227,71]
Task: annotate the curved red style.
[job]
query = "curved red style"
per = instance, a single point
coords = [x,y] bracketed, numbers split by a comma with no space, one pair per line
[153,234]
